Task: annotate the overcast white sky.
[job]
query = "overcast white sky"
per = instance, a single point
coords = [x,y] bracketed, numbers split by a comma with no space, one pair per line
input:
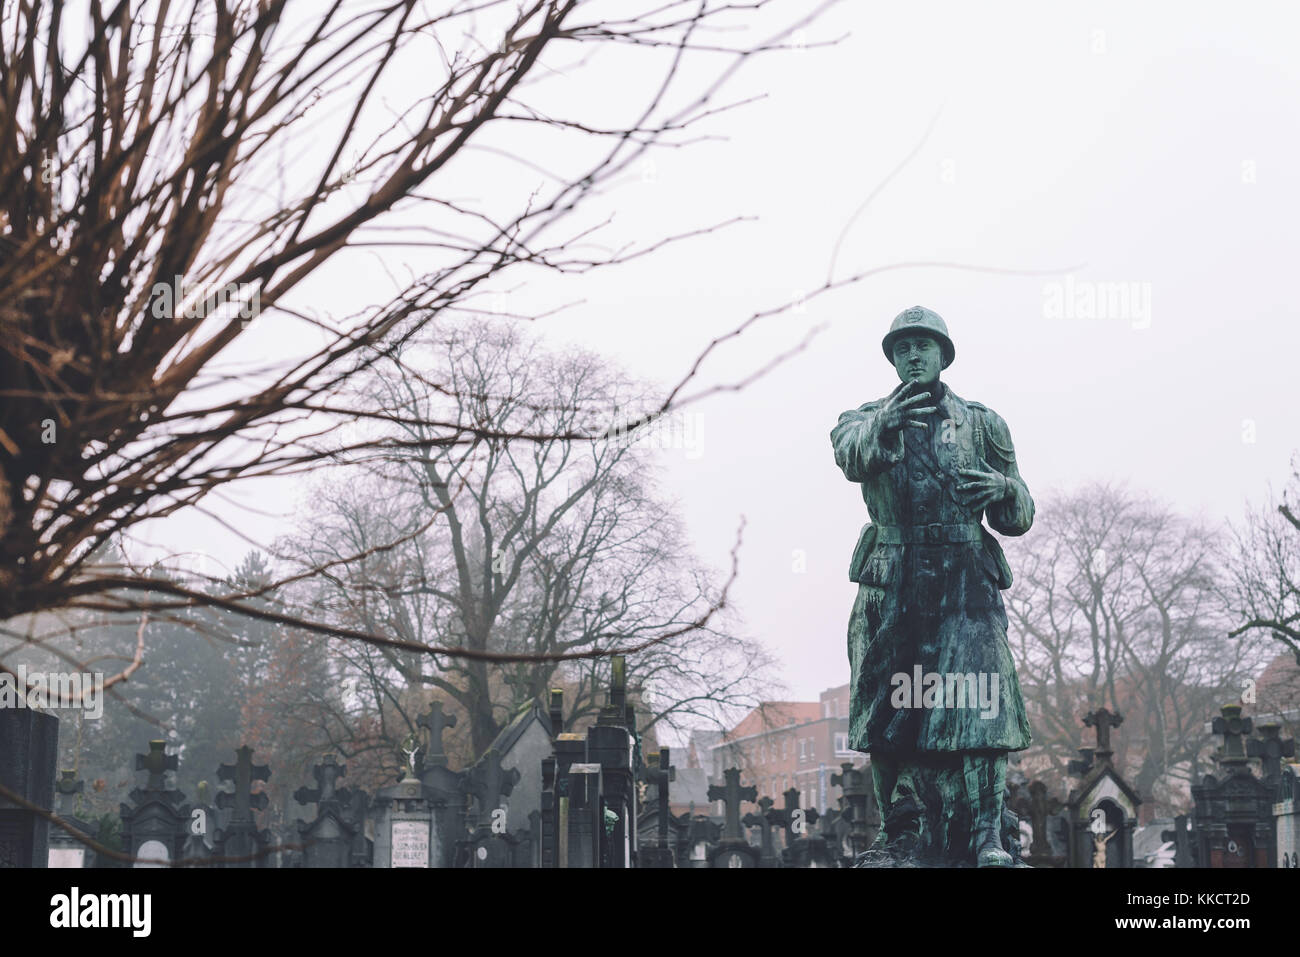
[1153,145]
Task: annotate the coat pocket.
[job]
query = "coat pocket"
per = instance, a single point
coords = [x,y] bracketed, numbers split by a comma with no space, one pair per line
[995,562]
[862,551]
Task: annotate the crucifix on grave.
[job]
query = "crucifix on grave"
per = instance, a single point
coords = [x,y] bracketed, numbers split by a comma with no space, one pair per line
[436,722]
[1103,720]
[241,837]
[242,774]
[731,794]
[763,821]
[157,762]
[1234,729]
[327,790]
[660,773]
[793,819]
[1038,806]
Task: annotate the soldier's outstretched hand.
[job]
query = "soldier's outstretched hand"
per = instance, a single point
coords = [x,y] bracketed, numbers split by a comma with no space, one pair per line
[902,408]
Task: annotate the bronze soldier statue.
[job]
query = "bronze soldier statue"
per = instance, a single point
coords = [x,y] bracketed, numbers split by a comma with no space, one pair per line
[934,695]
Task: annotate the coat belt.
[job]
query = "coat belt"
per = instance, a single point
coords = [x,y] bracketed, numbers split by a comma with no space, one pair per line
[936,533]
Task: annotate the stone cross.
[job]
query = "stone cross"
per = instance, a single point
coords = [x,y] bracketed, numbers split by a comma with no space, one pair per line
[242,774]
[1103,720]
[1038,806]
[763,821]
[1269,748]
[1233,727]
[789,820]
[436,723]
[731,794]
[157,762]
[326,774]
[660,773]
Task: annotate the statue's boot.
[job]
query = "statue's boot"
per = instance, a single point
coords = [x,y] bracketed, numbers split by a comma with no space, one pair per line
[988,849]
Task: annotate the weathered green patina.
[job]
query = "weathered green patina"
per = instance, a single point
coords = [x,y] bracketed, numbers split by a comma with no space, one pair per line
[934,694]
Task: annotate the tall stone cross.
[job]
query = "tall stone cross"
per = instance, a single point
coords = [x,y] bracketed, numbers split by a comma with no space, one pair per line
[660,773]
[731,794]
[242,774]
[157,762]
[436,723]
[1233,727]
[1103,720]
[1269,748]
[326,774]
[763,821]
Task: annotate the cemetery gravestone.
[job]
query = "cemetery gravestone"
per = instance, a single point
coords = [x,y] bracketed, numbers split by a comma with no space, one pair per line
[28,761]
[156,824]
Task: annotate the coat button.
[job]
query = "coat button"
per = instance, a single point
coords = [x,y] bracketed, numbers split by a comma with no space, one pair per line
[917,475]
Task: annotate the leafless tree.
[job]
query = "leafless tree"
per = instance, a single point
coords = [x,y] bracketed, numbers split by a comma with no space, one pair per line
[1264,588]
[550,546]
[170,171]
[1115,604]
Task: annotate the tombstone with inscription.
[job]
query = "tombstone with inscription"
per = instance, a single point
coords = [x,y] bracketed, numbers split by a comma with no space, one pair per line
[1232,822]
[156,824]
[403,818]
[29,748]
[1103,807]
[733,850]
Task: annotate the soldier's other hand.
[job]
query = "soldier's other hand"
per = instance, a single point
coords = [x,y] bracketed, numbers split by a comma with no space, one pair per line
[983,489]
[902,408]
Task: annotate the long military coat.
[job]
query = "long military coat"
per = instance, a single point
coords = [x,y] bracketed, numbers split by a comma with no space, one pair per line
[929,579]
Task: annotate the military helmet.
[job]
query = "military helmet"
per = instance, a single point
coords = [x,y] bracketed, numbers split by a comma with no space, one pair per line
[919,320]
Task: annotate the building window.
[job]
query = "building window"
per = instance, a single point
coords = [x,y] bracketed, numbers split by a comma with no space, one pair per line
[842,743]
[803,749]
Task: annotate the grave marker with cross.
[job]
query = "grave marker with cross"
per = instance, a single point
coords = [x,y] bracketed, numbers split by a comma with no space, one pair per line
[156,828]
[763,820]
[436,723]
[157,762]
[659,772]
[1103,721]
[241,837]
[731,794]
[733,850]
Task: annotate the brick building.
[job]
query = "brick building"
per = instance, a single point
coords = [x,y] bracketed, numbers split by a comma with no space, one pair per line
[784,744]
